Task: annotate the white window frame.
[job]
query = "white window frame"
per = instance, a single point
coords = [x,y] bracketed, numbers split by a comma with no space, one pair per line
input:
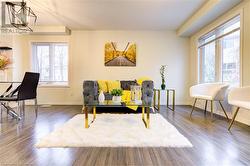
[218,52]
[51,84]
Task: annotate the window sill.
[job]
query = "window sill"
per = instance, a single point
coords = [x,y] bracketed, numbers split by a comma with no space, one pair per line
[55,85]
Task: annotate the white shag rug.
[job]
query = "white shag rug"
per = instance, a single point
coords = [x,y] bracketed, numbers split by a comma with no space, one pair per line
[115,130]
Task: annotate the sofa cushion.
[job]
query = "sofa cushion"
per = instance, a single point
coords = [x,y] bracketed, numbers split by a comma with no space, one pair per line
[102,85]
[113,85]
[125,85]
[142,79]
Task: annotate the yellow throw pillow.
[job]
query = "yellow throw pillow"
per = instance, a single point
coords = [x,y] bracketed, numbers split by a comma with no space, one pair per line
[141,79]
[102,85]
[113,85]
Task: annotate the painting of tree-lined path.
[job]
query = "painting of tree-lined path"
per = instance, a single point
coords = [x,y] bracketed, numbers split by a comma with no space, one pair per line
[120,54]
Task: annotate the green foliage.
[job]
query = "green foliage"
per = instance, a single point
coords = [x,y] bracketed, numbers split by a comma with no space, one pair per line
[4,62]
[162,72]
[116,92]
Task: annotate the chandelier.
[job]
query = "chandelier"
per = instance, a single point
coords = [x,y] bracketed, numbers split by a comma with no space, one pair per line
[20,15]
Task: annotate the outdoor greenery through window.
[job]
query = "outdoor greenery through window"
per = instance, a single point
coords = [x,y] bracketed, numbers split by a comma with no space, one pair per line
[51,61]
[219,54]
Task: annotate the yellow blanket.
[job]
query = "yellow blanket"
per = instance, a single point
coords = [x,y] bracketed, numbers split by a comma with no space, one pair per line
[126,97]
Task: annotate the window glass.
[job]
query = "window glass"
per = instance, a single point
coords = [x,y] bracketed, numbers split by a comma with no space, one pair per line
[219,54]
[231,58]
[51,61]
[208,63]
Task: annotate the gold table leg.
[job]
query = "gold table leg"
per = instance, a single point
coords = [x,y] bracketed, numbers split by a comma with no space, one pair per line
[86,117]
[167,98]
[143,111]
[146,122]
[94,113]
[173,99]
[148,111]
[159,99]
[154,97]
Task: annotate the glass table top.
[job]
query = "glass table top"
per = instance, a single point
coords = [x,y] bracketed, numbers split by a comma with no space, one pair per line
[110,103]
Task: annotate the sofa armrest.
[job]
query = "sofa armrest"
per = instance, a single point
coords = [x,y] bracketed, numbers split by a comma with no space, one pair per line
[90,91]
[148,92]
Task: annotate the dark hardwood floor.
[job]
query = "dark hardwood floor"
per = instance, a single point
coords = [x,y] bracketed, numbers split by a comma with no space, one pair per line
[212,143]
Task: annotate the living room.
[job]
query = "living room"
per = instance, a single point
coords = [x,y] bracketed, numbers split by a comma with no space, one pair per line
[125,82]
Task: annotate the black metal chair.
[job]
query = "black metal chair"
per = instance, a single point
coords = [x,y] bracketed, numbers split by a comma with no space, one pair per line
[27,90]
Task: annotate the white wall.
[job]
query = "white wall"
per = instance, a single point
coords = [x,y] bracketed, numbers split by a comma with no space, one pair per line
[86,52]
[244,10]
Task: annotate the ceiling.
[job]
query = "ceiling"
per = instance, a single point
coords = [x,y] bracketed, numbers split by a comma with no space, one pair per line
[221,7]
[115,14]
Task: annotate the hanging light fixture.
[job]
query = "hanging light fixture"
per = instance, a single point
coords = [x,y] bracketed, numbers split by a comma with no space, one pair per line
[21,16]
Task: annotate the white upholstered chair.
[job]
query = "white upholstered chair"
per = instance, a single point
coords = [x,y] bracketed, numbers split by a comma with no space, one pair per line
[239,97]
[209,92]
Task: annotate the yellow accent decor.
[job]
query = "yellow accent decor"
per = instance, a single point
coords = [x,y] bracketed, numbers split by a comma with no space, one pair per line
[113,85]
[126,97]
[102,85]
[141,79]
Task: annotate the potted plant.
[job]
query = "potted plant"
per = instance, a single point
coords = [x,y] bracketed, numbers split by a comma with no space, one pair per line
[116,93]
[162,72]
[4,62]
[4,65]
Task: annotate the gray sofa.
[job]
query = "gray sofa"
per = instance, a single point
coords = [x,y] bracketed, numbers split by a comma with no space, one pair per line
[90,90]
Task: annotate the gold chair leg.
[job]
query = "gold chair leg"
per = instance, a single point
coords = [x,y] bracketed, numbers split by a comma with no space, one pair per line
[224,110]
[86,117]
[205,111]
[193,107]
[235,114]
[212,109]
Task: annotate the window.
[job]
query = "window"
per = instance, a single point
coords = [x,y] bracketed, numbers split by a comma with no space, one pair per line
[51,61]
[219,54]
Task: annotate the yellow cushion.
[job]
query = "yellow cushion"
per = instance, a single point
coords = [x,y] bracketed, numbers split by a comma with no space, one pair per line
[126,97]
[141,79]
[113,85]
[102,85]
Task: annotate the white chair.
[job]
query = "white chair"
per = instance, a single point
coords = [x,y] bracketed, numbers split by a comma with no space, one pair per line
[239,97]
[209,92]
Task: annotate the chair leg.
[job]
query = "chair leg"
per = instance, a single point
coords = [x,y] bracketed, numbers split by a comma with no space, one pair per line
[193,107]
[205,111]
[212,109]
[224,110]
[36,107]
[1,107]
[19,108]
[235,114]
[11,112]
[23,107]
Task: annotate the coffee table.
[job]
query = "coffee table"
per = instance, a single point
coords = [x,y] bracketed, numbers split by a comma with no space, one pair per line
[109,103]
